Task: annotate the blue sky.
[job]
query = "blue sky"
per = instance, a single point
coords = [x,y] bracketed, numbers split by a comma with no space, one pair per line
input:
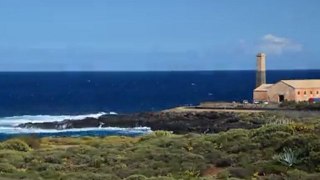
[131,35]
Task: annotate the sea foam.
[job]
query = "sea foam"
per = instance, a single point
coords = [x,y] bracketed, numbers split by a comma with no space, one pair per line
[8,126]
[17,130]
[16,120]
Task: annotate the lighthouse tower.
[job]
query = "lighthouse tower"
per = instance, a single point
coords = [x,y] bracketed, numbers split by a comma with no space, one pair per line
[261,69]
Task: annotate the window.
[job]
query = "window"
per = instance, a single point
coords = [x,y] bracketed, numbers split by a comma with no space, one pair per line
[317,92]
[310,92]
[305,93]
[298,92]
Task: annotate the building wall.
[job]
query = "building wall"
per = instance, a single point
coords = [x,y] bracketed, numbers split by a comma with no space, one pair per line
[281,88]
[260,96]
[290,94]
[306,93]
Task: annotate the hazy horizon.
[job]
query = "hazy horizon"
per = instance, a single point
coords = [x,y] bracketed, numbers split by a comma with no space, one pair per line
[70,71]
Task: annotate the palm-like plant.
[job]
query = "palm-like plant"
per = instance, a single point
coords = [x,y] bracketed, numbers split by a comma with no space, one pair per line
[288,157]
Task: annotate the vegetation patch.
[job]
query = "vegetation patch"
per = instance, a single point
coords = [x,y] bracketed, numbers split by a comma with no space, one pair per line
[273,151]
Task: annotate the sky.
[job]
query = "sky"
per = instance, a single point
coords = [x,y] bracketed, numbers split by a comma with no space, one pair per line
[158,35]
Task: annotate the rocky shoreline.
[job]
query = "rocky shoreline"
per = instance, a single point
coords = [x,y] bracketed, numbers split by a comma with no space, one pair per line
[177,122]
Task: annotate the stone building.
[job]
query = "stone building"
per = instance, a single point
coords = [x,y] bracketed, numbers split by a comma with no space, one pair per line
[284,90]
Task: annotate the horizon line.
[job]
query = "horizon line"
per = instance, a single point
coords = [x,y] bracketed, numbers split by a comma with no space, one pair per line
[57,71]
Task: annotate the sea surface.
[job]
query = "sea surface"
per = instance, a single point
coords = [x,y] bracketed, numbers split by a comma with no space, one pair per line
[54,96]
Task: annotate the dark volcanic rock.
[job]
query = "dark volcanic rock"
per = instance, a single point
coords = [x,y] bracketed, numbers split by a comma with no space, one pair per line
[178,122]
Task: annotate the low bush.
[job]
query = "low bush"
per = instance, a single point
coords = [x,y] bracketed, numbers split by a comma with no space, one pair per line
[271,135]
[296,174]
[15,158]
[156,134]
[234,154]
[33,141]
[161,178]
[240,172]
[7,168]
[300,105]
[270,167]
[136,177]
[223,175]
[16,145]
[88,175]
[224,162]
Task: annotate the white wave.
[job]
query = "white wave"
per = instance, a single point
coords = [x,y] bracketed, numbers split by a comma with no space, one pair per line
[16,130]
[16,120]
[8,126]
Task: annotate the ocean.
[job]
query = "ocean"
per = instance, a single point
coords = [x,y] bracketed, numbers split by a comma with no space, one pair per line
[54,96]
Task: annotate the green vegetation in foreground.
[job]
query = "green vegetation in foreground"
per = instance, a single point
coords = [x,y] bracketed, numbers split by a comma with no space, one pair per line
[301,105]
[281,149]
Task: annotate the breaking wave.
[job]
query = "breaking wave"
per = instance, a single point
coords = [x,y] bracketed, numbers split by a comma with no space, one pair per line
[7,132]
[8,127]
[16,120]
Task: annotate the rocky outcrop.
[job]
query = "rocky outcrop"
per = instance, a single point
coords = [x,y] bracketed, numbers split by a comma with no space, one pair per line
[178,122]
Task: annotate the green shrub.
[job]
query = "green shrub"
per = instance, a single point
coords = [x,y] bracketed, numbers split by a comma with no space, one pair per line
[235,154]
[207,178]
[39,167]
[16,144]
[223,175]
[271,128]
[88,175]
[232,141]
[136,177]
[271,135]
[223,162]
[53,158]
[192,173]
[274,177]
[240,172]
[96,162]
[296,174]
[25,175]
[315,176]
[15,158]
[156,134]
[7,168]
[303,143]
[270,167]
[50,174]
[161,178]
[33,141]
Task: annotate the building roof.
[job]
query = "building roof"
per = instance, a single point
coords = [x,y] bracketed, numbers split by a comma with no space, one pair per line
[263,87]
[304,83]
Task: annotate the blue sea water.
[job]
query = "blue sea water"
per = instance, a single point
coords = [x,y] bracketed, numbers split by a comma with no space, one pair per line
[48,96]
